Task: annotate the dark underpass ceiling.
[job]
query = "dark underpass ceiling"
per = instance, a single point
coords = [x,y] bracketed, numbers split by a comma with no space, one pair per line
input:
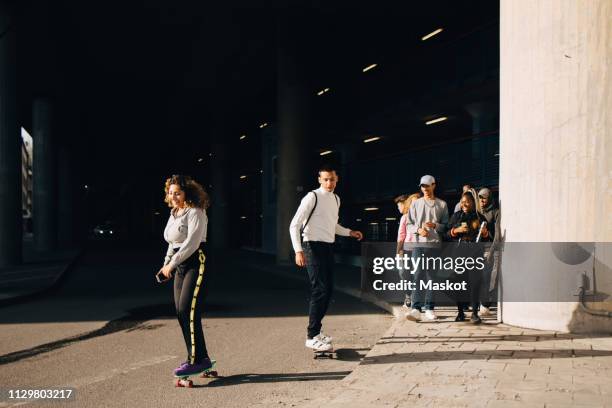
[144,85]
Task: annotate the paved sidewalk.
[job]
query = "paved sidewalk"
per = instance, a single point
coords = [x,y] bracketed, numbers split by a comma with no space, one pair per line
[448,364]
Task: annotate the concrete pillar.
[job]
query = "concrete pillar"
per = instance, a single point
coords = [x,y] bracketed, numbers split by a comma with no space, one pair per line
[66,200]
[45,177]
[295,172]
[10,143]
[220,196]
[555,148]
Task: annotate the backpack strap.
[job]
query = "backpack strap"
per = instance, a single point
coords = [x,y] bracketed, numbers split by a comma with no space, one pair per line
[311,211]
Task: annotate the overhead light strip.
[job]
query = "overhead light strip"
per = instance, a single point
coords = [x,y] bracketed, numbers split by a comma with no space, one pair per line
[437,120]
[428,36]
[371,139]
[369,67]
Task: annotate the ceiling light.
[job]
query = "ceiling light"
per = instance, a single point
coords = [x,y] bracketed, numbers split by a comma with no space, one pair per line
[243,177]
[390,219]
[428,36]
[369,67]
[263,125]
[371,208]
[322,91]
[372,139]
[325,152]
[200,160]
[431,122]
[242,137]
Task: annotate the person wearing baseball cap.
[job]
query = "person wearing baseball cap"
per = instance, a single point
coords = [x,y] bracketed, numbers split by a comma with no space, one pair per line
[427,220]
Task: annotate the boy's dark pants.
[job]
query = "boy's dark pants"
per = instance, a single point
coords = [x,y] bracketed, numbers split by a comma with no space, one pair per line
[320,267]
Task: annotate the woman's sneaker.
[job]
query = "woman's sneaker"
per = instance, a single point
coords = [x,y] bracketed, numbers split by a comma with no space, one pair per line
[193,369]
[414,315]
[318,345]
[183,364]
[475,319]
[430,315]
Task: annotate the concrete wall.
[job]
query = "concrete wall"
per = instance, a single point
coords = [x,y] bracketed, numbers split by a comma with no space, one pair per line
[555,147]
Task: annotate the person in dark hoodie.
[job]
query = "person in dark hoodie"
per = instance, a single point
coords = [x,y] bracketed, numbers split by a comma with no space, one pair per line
[464,227]
[490,212]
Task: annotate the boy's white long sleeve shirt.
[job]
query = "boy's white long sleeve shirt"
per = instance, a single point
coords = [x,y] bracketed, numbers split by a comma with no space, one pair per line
[323,224]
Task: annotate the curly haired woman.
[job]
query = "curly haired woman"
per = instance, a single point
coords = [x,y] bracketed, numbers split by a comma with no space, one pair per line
[186,237]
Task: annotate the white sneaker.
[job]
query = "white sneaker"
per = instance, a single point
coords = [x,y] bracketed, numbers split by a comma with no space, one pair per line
[413,315]
[485,311]
[318,345]
[405,310]
[430,315]
[323,338]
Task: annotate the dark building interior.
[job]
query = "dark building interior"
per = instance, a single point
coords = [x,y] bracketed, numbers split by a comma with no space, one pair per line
[141,90]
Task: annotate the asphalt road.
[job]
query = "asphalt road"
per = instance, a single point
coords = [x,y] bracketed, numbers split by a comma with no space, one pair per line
[110,334]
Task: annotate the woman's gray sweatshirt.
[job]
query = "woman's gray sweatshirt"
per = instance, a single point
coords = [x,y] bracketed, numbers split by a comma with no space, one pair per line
[185,232]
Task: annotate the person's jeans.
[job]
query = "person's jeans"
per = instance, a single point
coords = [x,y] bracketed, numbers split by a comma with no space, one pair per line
[405,274]
[320,267]
[423,274]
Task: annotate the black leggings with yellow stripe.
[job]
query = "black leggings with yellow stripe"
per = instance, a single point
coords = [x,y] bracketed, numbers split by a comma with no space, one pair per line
[188,279]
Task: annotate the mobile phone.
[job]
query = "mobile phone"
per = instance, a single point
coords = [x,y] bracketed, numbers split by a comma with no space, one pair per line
[160,278]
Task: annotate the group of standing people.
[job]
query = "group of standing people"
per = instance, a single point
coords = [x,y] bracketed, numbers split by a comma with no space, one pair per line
[425,224]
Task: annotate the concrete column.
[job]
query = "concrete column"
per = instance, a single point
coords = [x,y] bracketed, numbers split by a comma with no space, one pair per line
[295,171]
[10,143]
[555,146]
[44,171]
[66,200]
[220,196]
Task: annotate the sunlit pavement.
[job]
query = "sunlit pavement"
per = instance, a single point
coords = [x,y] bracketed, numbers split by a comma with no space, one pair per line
[110,334]
[448,364]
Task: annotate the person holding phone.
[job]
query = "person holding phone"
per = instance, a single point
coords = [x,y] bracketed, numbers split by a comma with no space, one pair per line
[427,219]
[186,236]
[466,227]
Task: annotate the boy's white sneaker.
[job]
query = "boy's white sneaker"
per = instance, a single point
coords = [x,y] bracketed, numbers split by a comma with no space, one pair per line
[318,345]
[485,311]
[430,315]
[324,338]
[413,315]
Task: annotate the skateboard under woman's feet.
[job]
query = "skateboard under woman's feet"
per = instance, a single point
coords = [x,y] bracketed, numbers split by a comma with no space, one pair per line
[184,380]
